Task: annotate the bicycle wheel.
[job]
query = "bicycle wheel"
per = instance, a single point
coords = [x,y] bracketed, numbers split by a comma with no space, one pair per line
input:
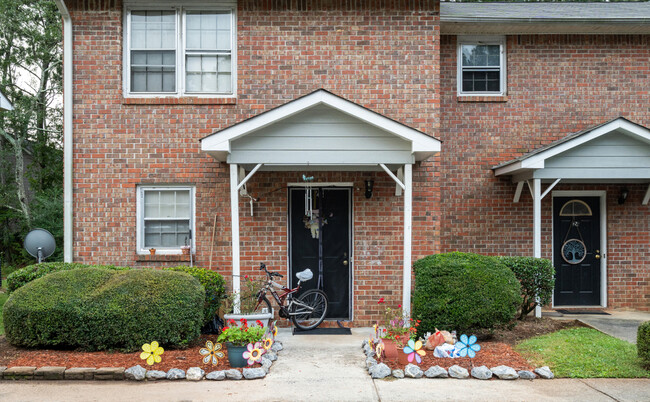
[263,306]
[309,309]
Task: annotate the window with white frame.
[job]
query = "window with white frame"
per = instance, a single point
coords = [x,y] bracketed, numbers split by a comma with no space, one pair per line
[481,66]
[165,218]
[179,51]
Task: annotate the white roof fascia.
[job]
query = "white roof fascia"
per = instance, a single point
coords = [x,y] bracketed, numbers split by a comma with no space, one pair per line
[4,103]
[220,141]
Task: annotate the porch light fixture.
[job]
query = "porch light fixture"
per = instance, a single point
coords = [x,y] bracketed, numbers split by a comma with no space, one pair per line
[624,193]
[369,185]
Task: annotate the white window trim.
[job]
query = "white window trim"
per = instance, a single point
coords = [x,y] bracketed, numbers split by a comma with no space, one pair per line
[140,217]
[481,40]
[178,6]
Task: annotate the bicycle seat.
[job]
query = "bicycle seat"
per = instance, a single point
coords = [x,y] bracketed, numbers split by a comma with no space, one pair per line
[305,275]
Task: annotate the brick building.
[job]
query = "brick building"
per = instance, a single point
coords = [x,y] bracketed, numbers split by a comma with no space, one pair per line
[337,135]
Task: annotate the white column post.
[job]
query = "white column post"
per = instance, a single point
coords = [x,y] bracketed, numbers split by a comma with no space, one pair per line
[408,200]
[234,219]
[537,228]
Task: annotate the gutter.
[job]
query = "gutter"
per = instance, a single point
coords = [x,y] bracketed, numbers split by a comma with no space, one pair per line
[67,130]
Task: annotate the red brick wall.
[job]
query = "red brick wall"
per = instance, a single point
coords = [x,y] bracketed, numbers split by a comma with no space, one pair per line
[557,85]
[367,52]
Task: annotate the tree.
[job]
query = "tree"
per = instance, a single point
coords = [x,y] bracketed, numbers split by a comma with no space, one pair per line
[30,135]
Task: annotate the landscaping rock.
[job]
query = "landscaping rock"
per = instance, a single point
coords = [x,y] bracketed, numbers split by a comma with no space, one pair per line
[277,346]
[436,372]
[135,373]
[398,373]
[79,373]
[380,371]
[2,370]
[216,375]
[364,343]
[504,372]
[49,373]
[526,375]
[254,373]
[156,375]
[271,355]
[413,371]
[19,373]
[481,373]
[368,351]
[266,364]
[370,362]
[544,372]
[110,373]
[233,374]
[175,374]
[195,374]
[456,371]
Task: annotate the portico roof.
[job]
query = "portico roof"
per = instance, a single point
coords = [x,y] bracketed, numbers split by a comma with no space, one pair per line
[320,130]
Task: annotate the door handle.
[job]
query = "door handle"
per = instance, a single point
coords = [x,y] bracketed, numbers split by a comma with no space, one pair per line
[345,259]
[345,262]
[597,254]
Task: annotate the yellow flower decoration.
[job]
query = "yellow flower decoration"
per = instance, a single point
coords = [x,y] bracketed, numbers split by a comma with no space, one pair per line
[380,349]
[267,343]
[275,330]
[375,327]
[211,352]
[152,353]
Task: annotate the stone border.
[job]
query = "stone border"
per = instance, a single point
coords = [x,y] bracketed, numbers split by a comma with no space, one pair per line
[139,373]
[381,370]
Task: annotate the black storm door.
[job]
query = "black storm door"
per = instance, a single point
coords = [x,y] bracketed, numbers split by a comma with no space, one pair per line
[319,232]
[577,251]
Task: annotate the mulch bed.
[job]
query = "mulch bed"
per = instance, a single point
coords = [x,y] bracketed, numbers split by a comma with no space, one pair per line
[492,354]
[181,358]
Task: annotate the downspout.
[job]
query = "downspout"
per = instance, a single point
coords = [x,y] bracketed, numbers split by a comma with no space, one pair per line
[67,130]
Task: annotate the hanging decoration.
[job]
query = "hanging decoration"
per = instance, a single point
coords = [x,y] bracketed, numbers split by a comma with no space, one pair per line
[573,250]
[312,219]
[211,353]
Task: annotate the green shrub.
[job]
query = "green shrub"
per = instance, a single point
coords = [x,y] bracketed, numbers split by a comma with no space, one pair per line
[643,344]
[97,309]
[215,289]
[29,273]
[462,292]
[537,278]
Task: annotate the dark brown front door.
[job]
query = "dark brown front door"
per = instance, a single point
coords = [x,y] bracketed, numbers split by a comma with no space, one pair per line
[577,251]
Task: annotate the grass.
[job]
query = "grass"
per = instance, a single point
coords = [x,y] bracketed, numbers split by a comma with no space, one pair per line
[583,353]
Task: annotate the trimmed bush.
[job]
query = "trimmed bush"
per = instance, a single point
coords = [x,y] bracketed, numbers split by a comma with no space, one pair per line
[463,292]
[643,344]
[536,276]
[215,289]
[27,274]
[97,309]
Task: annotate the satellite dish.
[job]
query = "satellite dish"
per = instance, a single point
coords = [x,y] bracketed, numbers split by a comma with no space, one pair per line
[40,243]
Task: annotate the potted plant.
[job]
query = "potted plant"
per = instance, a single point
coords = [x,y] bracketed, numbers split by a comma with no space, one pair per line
[239,339]
[248,303]
[395,330]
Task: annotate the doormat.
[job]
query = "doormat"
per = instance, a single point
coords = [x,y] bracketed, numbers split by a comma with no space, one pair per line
[595,312]
[323,331]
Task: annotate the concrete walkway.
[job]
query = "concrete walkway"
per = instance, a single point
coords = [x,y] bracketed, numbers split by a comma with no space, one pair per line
[620,324]
[328,368]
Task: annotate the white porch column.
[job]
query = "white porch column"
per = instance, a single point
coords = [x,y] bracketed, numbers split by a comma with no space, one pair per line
[408,200]
[537,227]
[234,219]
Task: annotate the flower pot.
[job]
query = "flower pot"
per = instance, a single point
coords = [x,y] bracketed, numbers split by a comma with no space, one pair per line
[236,355]
[251,318]
[402,358]
[390,350]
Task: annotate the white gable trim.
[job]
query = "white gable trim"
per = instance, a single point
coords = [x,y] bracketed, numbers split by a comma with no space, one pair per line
[218,144]
[4,103]
[536,161]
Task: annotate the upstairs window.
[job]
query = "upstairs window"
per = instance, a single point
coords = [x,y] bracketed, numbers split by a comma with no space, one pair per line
[182,51]
[481,66]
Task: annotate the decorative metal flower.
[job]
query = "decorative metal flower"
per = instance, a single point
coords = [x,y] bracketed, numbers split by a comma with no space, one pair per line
[275,330]
[152,352]
[267,343]
[254,353]
[379,350]
[211,352]
[376,328]
[414,350]
[468,346]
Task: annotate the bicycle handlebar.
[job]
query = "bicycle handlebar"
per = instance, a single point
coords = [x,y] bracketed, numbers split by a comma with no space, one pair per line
[270,274]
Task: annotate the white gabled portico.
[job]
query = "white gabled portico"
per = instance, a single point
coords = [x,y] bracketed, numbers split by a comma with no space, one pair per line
[617,152]
[321,132]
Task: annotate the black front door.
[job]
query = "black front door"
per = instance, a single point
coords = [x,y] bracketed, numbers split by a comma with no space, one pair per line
[319,232]
[577,251]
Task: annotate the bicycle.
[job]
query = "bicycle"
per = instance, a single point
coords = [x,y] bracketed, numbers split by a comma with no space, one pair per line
[306,311]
